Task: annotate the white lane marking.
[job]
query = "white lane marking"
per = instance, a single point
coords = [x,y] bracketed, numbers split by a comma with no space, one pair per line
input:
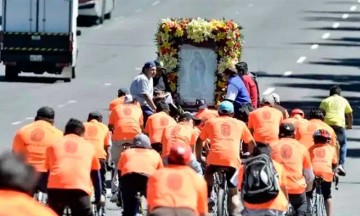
[137,68]
[353,8]
[16,123]
[61,105]
[288,73]
[119,18]
[155,3]
[138,10]
[29,118]
[301,59]
[99,26]
[107,84]
[325,35]
[336,25]
[71,101]
[314,46]
[268,91]
[345,16]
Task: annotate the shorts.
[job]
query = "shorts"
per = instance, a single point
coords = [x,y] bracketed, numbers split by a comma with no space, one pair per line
[157,147]
[42,182]
[167,211]
[325,190]
[230,171]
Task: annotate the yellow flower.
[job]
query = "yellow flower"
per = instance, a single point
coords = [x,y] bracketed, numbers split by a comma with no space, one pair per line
[172,86]
[179,32]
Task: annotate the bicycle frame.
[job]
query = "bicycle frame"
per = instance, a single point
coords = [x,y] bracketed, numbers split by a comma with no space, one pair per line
[221,190]
[317,202]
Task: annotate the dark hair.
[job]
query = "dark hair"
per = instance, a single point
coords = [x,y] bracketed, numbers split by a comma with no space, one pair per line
[335,90]
[162,106]
[242,67]
[74,126]
[262,148]
[16,174]
[232,71]
[317,113]
[95,116]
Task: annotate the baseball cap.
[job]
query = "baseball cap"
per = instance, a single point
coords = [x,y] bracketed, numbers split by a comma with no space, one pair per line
[128,98]
[226,107]
[286,129]
[149,64]
[142,141]
[268,99]
[123,91]
[46,112]
[201,103]
[159,64]
[188,115]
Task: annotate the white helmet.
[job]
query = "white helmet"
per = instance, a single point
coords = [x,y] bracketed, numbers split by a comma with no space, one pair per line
[276,98]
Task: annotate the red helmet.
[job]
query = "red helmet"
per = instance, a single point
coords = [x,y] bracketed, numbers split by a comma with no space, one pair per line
[180,153]
[321,136]
[297,112]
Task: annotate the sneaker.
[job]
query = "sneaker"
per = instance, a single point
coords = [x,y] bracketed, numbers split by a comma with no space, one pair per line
[341,170]
[114,198]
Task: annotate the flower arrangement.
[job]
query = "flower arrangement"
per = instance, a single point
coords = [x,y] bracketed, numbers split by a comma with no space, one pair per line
[225,36]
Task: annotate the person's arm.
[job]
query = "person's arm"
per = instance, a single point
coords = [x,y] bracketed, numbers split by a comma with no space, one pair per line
[348,116]
[231,93]
[18,145]
[307,168]
[248,139]
[107,143]
[253,94]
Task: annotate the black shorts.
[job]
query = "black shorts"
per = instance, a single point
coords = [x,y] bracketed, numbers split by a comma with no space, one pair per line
[325,190]
[230,171]
[157,147]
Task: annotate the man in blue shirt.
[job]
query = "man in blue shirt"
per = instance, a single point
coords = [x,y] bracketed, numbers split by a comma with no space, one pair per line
[237,94]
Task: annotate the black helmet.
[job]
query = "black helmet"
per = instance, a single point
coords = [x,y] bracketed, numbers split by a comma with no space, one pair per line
[286,129]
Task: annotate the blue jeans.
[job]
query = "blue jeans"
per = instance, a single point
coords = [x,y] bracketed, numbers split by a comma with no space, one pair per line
[147,111]
[342,139]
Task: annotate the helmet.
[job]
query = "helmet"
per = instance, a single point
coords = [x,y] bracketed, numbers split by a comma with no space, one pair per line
[226,107]
[141,141]
[201,103]
[321,136]
[180,153]
[276,97]
[297,112]
[286,129]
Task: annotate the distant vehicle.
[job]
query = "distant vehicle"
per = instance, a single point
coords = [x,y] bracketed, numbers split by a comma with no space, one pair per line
[39,36]
[98,9]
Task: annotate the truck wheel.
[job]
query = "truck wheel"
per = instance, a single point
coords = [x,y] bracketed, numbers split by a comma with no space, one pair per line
[67,80]
[73,73]
[11,72]
[108,16]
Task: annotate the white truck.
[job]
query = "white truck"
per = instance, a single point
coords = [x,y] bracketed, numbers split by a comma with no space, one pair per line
[39,36]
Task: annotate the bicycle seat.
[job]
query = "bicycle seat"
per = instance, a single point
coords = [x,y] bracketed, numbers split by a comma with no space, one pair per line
[318,180]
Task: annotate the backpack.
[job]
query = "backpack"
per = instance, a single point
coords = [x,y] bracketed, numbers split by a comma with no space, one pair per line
[260,180]
[254,77]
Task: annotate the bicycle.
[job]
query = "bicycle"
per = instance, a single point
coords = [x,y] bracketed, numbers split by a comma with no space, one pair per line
[317,202]
[40,197]
[220,188]
[139,205]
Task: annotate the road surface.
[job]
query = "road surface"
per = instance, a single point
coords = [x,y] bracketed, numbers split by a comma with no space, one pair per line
[299,47]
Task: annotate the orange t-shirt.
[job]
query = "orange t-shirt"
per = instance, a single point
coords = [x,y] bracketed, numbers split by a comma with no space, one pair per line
[13,203]
[139,160]
[323,156]
[206,114]
[70,162]
[156,125]
[295,120]
[177,187]
[127,120]
[98,134]
[280,203]
[116,102]
[304,132]
[182,131]
[32,141]
[265,122]
[295,159]
[225,134]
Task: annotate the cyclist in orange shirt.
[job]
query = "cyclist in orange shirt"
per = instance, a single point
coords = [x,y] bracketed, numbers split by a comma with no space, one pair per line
[324,161]
[295,159]
[17,183]
[33,139]
[297,117]
[265,121]
[275,207]
[126,121]
[157,123]
[72,166]
[177,189]
[204,113]
[120,98]
[135,165]
[98,134]
[304,131]
[225,134]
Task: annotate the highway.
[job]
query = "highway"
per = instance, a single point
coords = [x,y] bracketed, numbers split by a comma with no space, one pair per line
[299,48]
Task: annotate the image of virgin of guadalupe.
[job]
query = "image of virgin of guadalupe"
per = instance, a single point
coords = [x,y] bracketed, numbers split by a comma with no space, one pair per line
[198,72]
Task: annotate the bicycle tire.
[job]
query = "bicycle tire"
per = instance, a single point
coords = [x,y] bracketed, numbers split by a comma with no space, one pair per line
[222,202]
[320,205]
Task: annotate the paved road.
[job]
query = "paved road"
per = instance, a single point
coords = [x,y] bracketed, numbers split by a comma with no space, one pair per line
[299,47]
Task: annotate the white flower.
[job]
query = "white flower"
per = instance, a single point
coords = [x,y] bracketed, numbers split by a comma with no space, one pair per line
[169,61]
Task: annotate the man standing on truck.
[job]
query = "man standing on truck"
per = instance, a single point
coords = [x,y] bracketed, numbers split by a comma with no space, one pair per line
[249,82]
[142,89]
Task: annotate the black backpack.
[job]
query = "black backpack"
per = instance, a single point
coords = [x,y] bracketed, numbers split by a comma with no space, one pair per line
[260,180]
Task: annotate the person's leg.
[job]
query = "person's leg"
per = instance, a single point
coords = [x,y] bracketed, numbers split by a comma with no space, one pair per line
[128,193]
[233,192]
[81,205]
[115,152]
[165,211]
[56,200]
[326,191]
[195,165]
[342,139]
[299,203]
[103,175]
[146,113]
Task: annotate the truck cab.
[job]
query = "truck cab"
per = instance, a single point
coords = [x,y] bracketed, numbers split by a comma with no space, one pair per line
[39,36]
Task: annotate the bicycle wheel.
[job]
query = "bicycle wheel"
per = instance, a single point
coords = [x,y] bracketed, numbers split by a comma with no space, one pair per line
[320,205]
[222,201]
